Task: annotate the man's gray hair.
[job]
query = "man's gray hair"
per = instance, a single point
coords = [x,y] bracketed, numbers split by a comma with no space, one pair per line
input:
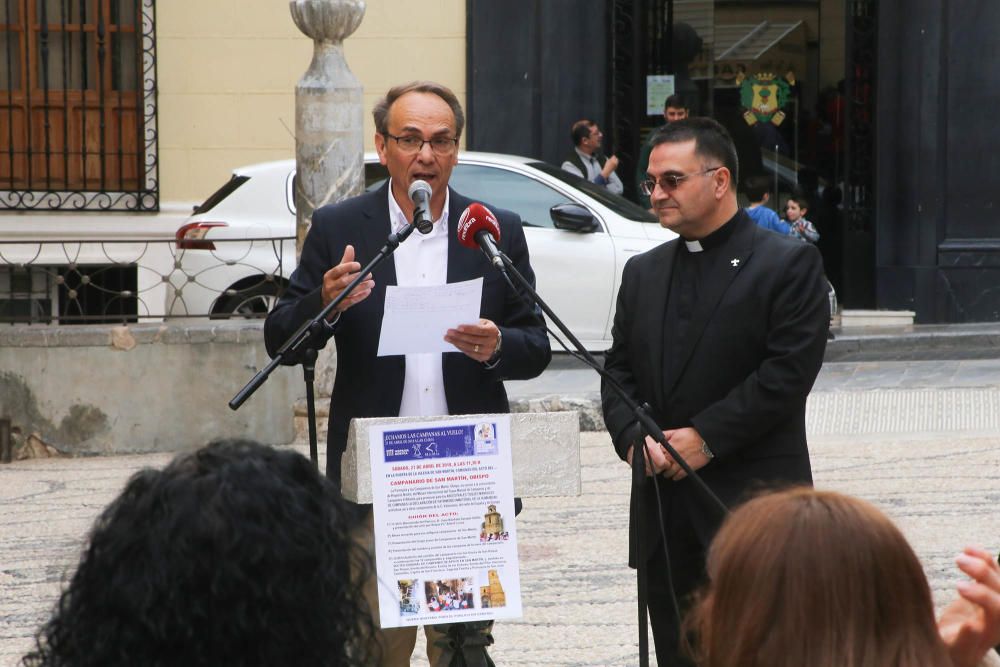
[381,110]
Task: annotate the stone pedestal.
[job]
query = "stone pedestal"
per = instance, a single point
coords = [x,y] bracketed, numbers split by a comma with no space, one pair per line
[329,114]
[329,127]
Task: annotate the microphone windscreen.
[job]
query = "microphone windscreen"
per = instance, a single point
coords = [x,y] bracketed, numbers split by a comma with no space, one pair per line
[474,219]
[419,186]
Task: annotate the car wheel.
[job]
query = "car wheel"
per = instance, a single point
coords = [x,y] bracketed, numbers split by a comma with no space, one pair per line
[252,303]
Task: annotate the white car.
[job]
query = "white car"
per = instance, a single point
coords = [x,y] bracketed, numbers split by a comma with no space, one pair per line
[238,249]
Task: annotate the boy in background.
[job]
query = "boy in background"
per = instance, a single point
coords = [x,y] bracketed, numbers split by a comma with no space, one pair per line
[756,189]
[796,208]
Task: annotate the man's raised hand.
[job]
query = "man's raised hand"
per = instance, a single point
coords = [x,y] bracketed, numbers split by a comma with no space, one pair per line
[340,276]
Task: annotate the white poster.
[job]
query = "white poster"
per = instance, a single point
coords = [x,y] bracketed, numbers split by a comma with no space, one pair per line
[658,88]
[445,538]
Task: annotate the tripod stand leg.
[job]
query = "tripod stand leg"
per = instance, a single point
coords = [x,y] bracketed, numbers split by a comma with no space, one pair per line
[309,373]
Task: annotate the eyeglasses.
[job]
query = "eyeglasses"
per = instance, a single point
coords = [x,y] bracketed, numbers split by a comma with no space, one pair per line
[670,182]
[411,143]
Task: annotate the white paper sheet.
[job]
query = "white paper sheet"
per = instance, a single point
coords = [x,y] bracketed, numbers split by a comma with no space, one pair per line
[416,319]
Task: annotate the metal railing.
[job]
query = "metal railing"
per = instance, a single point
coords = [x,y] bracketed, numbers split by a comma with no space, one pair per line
[83,281]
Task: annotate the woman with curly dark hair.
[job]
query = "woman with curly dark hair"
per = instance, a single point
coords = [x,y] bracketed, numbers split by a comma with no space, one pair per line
[237,554]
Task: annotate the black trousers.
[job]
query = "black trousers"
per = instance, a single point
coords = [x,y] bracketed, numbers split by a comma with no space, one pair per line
[687,571]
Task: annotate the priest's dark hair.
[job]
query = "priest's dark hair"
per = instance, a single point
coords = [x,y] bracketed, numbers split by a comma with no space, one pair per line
[236,554]
[711,140]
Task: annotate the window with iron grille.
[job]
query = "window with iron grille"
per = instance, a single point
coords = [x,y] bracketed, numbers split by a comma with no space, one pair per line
[78,105]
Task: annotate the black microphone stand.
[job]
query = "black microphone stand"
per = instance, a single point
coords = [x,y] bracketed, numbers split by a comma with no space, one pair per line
[307,335]
[651,428]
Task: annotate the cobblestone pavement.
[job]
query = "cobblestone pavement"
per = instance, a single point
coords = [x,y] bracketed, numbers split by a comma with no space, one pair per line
[920,441]
[567,376]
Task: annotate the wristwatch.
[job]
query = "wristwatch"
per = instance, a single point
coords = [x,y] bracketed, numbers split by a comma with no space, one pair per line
[496,352]
[706,451]
[495,359]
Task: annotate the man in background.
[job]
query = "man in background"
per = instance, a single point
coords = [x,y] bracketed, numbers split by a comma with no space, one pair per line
[674,110]
[587,161]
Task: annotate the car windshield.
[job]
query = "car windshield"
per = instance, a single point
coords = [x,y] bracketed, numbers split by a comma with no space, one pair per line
[220,194]
[616,203]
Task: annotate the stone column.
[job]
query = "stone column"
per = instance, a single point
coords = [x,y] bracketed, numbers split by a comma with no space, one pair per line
[329,128]
[329,114]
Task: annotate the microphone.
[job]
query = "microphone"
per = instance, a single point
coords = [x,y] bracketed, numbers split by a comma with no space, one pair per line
[420,194]
[479,228]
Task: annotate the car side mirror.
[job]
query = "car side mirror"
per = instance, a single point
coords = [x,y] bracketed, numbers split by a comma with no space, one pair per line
[573,218]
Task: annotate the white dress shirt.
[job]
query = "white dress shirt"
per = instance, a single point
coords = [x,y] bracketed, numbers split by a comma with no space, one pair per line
[422,260]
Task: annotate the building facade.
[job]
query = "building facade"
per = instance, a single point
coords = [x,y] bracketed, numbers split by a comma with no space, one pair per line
[116,116]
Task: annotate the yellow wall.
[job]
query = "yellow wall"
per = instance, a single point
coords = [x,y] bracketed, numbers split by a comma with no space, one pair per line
[227,71]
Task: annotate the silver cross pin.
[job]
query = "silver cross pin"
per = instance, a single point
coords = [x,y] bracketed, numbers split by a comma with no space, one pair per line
[735,261]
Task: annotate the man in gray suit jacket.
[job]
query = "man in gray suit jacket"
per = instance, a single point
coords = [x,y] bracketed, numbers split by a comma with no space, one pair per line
[722,332]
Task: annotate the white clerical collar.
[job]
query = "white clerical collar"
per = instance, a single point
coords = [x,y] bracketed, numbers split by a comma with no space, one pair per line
[693,246]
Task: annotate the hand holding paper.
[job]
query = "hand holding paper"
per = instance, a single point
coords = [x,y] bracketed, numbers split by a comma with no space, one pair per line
[478,341]
[417,319]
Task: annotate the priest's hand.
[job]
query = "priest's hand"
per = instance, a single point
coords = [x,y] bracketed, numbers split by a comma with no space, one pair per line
[656,458]
[689,444]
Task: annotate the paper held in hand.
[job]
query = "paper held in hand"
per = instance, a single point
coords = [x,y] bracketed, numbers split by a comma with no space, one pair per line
[416,318]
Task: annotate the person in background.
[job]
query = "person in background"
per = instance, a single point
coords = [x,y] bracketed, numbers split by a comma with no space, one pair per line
[587,161]
[818,578]
[796,208]
[236,554]
[674,110]
[756,190]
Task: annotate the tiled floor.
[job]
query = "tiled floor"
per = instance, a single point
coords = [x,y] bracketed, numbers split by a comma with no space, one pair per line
[568,377]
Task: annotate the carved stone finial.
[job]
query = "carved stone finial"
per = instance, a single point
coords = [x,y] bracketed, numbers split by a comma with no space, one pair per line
[328,20]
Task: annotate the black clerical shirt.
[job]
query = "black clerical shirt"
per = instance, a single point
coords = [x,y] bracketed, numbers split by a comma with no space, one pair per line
[695,262]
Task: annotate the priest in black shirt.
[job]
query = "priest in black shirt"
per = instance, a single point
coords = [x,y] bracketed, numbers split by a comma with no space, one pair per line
[722,333]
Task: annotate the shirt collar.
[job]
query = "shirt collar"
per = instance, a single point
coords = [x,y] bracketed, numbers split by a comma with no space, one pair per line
[713,240]
[586,157]
[398,220]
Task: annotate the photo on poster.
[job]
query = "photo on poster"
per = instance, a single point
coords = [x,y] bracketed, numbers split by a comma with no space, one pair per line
[485,442]
[491,593]
[492,530]
[409,602]
[447,595]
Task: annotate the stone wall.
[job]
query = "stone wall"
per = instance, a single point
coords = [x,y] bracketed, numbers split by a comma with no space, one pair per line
[141,388]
